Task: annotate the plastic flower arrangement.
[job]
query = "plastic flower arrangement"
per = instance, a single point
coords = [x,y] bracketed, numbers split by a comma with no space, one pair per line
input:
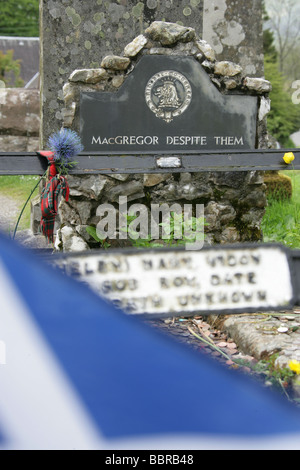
[64,146]
[288,157]
[295,366]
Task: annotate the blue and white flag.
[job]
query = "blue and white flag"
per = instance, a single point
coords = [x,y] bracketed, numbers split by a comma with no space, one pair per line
[75,373]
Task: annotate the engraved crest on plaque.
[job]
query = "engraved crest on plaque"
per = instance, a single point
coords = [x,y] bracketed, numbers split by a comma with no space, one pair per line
[168,94]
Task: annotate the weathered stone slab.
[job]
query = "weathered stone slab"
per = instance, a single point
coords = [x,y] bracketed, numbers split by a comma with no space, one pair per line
[18,143]
[177,282]
[235,31]
[24,104]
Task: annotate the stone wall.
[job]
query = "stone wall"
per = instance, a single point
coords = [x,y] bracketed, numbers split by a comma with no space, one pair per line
[19,120]
[234,202]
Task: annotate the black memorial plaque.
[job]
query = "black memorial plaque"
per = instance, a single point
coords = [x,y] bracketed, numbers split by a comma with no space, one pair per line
[169,105]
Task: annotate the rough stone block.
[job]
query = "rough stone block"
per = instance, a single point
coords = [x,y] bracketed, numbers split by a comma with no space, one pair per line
[115,62]
[169,33]
[135,46]
[206,50]
[227,68]
[154,179]
[88,75]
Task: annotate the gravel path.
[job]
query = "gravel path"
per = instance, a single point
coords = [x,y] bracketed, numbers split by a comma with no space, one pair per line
[240,341]
[9,211]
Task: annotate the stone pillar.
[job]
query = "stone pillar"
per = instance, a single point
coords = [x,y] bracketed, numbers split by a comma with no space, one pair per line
[234,29]
[77,34]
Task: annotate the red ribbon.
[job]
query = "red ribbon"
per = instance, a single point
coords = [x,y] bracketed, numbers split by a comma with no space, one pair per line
[50,157]
[49,196]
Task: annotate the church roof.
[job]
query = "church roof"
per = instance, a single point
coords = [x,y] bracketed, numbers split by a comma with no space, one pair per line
[26,49]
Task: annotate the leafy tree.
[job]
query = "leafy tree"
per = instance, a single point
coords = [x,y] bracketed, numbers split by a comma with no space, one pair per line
[292,67]
[268,39]
[10,67]
[284,117]
[19,18]
[284,21]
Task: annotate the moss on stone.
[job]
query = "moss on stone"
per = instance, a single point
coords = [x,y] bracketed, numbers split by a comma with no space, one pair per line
[279,186]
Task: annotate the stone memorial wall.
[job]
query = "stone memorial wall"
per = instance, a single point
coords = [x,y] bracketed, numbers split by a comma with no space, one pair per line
[76,35]
[234,202]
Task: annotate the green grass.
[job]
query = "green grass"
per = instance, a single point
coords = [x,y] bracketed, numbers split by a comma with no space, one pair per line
[19,188]
[281,222]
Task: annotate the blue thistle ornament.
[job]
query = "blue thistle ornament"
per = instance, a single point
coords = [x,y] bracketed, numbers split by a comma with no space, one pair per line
[65,144]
